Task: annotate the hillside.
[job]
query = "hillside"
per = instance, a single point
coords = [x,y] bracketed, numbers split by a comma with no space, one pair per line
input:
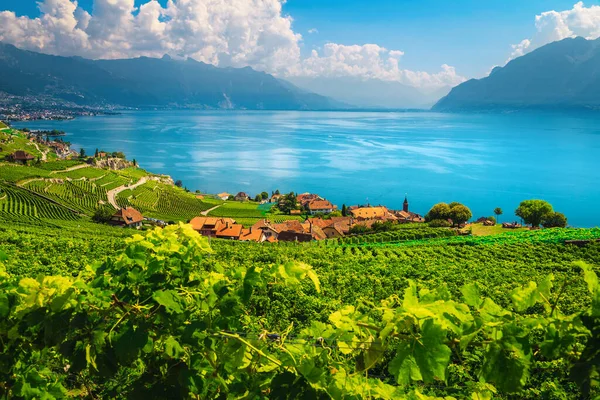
[148,83]
[564,74]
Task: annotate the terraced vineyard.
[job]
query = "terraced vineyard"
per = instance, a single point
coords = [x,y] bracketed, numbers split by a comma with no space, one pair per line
[18,203]
[157,200]
[15,173]
[399,235]
[83,196]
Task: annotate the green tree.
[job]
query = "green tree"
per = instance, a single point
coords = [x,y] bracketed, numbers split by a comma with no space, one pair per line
[103,215]
[533,211]
[82,153]
[178,183]
[264,195]
[289,203]
[554,220]
[498,211]
[96,154]
[344,210]
[438,211]
[459,214]
[134,162]
[258,198]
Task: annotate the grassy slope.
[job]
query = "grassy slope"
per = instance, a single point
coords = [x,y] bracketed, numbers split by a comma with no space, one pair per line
[480,230]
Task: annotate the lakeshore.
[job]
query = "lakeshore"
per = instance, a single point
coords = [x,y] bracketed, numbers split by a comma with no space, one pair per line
[484,161]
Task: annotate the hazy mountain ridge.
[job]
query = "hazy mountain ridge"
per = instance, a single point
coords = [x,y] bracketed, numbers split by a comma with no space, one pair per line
[371,93]
[564,74]
[149,83]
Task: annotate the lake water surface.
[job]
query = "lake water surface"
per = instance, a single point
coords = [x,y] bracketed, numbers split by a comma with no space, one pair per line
[484,161]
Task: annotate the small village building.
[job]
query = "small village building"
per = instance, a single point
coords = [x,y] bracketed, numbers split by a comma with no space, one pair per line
[241,196]
[406,216]
[295,212]
[252,235]
[291,236]
[366,213]
[333,231]
[209,226]
[268,230]
[275,198]
[224,196]
[320,207]
[127,217]
[20,156]
[231,231]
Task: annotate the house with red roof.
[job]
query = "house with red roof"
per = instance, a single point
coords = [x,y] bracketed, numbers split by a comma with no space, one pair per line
[127,217]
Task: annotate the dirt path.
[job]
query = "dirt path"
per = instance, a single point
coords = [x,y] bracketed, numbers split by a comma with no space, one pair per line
[205,213]
[112,194]
[44,154]
[70,169]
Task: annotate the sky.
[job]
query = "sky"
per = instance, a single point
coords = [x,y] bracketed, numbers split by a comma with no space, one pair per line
[426,43]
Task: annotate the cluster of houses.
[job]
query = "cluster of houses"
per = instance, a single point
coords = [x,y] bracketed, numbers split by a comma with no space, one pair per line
[309,230]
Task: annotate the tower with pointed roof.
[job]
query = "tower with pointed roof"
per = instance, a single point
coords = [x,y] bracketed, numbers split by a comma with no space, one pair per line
[405,205]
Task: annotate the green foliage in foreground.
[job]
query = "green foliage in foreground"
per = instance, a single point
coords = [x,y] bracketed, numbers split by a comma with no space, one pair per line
[162,320]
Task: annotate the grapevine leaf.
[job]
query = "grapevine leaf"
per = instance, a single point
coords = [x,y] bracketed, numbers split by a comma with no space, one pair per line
[3,256]
[169,299]
[424,359]
[410,295]
[529,295]
[130,343]
[471,295]
[315,280]
[4,305]
[172,348]
[593,284]
[310,371]
[506,362]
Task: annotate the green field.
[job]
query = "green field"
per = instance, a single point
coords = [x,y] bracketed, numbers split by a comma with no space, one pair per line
[248,213]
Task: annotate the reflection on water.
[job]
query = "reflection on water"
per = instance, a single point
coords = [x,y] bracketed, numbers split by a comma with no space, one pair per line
[486,161]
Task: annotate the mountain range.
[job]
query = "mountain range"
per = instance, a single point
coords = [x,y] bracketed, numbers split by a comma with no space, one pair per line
[149,83]
[369,93]
[559,75]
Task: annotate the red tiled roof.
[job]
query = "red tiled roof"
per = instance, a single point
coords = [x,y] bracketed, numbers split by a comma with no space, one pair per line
[251,235]
[290,225]
[230,230]
[21,155]
[129,215]
[320,222]
[320,205]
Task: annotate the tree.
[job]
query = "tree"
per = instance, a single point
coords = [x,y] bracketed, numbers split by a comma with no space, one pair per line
[82,153]
[178,183]
[554,220]
[459,214]
[103,215]
[264,195]
[344,210]
[96,153]
[277,191]
[289,203]
[258,198]
[533,211]
[134,163]
[498,211]
[438,211]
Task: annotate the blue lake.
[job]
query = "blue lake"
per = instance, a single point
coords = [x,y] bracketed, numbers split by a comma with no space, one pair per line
[482,160]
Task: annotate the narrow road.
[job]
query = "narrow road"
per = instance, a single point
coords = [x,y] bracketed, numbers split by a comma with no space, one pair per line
[70,169]
[44,154]
[112,194]
[205,213]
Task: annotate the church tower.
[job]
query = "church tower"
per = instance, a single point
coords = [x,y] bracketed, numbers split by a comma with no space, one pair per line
[405,206]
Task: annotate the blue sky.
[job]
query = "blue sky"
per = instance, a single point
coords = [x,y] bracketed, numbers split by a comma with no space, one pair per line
[472,36]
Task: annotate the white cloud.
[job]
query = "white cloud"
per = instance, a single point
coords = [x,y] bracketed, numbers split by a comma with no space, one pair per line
[557,25]
[370,61]
[313,30]
[235,33]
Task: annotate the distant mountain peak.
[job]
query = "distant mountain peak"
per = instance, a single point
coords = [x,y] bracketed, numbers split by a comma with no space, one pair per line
[563,74]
